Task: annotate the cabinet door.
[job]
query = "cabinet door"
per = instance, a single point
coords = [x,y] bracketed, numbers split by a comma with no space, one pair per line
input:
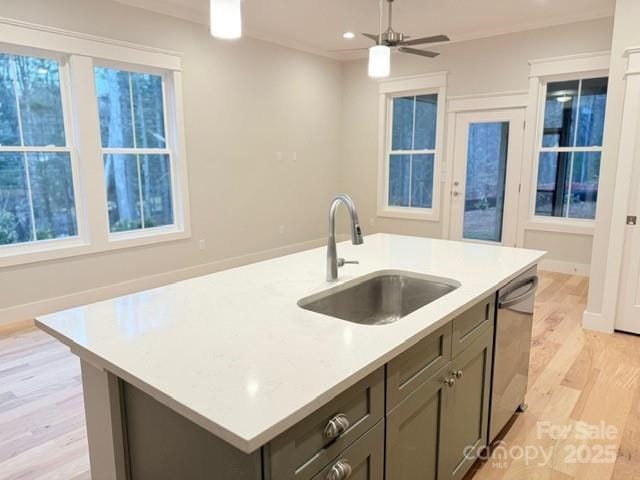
[364,460]
[467,407]
[415,432]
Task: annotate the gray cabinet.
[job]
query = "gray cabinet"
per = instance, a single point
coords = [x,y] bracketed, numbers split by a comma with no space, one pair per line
[364,460]
[415,432]
[466,419]
[307,447]
[436,432]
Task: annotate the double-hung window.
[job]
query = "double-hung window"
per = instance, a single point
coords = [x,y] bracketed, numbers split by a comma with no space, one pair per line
[137,160]
[570,148]
[412,152]
[410,162]
[37,193]
[92,152]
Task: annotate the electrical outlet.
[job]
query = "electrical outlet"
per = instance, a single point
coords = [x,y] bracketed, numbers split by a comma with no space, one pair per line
[202,244]
[281,229]
[294,157]
[372,221]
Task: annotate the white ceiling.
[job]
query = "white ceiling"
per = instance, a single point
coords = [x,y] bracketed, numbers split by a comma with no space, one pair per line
[317,25]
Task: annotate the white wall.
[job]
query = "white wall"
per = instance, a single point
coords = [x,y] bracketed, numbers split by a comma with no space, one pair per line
[490,65]
[244,102]
[607,261]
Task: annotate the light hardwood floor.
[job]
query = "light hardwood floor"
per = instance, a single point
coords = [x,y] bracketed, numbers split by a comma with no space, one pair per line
[576,376]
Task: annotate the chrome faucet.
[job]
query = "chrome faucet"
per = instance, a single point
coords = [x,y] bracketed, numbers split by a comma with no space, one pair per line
[333,262]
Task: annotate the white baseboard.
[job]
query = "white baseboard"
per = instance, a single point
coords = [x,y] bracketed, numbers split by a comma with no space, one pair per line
[595,321]
[558,266]
[49,305]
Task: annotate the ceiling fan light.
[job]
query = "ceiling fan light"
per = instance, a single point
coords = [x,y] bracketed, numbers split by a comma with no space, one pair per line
[226,19]
[379,61]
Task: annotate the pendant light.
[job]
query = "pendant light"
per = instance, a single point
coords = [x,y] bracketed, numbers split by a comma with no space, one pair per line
[379,61]
[226,19]
[379,55]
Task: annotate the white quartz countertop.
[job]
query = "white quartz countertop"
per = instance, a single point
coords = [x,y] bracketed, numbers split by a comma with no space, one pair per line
[234,353]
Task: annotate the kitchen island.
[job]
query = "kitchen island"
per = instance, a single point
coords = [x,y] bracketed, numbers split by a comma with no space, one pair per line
[224,376]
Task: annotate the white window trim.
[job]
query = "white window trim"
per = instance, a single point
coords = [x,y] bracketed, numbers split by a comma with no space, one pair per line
[434,83]
[572,67]
[77,53]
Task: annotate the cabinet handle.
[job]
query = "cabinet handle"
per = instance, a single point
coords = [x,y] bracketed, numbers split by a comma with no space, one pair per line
[450,382]
[336,426]
[341,470]
[458,374]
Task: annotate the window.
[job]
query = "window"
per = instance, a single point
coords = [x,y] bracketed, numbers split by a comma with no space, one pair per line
[37,196]
[92,152]
[137,162]
[570,149]
[412,152]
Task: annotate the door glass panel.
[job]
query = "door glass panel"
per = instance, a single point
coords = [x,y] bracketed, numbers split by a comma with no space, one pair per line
[485,184]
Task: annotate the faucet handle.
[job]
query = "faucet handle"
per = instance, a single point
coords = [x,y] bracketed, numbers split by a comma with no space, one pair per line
[342,262]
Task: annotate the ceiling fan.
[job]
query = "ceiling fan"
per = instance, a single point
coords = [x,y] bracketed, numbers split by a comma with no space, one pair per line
[380,53]
[392,39]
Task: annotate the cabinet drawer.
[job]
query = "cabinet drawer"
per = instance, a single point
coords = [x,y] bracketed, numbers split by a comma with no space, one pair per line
[410,369]
[364,459]
[469,325]
[303,450]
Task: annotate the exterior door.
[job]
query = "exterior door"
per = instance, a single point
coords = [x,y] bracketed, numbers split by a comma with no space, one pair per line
[486,176]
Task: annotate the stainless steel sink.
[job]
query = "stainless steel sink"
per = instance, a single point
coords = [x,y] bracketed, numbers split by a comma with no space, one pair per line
[379,298]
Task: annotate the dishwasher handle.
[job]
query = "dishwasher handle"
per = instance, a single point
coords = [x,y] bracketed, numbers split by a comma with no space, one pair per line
[503,302]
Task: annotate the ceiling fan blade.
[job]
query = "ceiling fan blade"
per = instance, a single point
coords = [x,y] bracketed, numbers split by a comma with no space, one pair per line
[423,40]
[422,53]
[372,36]
[350,49]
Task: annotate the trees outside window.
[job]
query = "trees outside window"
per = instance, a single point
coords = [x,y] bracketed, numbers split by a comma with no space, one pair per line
[137,162]
[37,197]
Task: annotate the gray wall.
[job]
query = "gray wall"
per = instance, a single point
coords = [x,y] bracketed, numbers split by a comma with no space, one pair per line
[244,102]
[490,65]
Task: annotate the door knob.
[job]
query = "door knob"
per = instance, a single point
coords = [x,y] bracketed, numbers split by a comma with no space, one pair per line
[455,193]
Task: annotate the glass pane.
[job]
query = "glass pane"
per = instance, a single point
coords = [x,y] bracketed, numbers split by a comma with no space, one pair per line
[53,196]
[38,90]
[148,110]
[560,114]
[422,181]
[399,167]
[485,184]
[402,138]
[426,120]
[584,185]
[9,132]
[155,173]
[114,103]
[123,192]
[15,212]
[553,183]
[593,101]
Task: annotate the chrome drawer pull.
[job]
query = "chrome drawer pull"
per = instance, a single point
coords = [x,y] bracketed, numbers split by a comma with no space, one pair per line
[458,374]
[341,470]
[450,382]
[336,426]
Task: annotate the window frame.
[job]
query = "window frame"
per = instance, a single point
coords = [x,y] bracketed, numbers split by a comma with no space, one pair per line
[552,223]
[389,89]
[24,248]
[171,141]
[592,64]
[77,55]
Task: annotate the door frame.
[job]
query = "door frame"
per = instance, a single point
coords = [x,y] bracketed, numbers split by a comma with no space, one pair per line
[476,103]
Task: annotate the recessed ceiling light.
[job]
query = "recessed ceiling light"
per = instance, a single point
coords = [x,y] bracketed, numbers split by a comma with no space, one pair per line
[348,35]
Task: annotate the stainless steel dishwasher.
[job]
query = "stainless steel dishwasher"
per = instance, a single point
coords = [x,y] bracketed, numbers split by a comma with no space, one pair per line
[514,320]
